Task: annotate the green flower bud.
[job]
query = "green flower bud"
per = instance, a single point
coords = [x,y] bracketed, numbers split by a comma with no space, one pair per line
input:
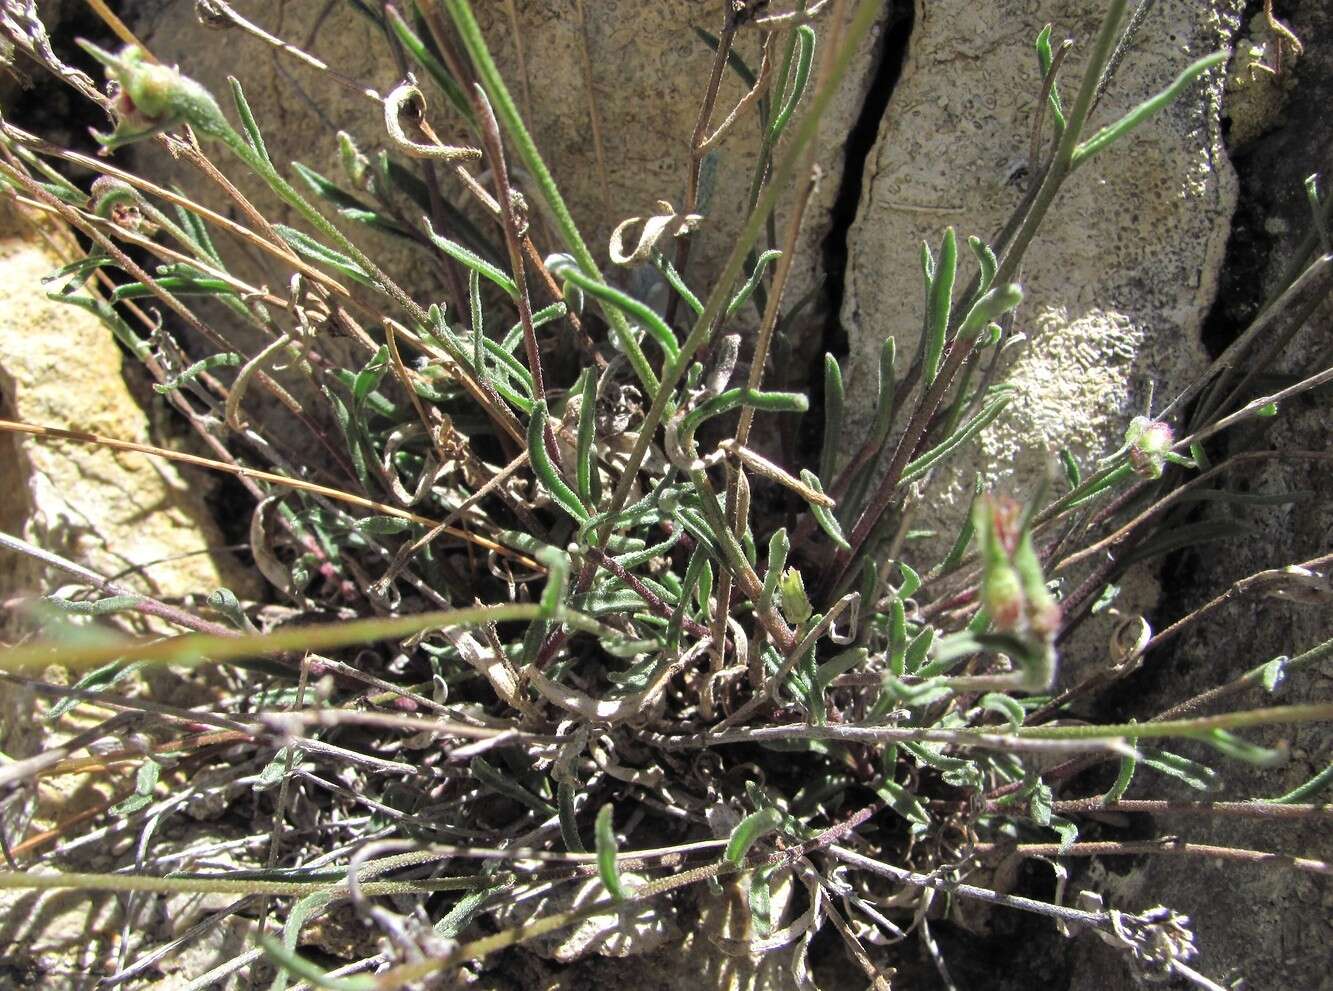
[153,97]
[1043,612]
[1149,442]
[1002,596]
[355,165]
[795,603]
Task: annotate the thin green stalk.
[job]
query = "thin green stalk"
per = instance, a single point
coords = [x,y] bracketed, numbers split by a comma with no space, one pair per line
[200,648]
[717,299]
[1013,256]
[475,43]
[124,883]
[1273,716]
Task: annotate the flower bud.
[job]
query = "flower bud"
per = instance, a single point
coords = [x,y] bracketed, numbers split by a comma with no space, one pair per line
[1149,442]
[1043,612]
[996,521]
[1002,597]
[118,202]
[795,603]
[150,97]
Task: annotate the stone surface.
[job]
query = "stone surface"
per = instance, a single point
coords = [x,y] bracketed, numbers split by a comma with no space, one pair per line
[1124,269]
[109,510]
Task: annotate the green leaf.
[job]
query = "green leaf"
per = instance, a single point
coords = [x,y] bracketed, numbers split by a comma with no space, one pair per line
[748,831]
[703,589]
[1039,802]
[1128,764]
[805,39]
[1003,705]
[779,546]
[1192,773]
[897,638]
[1104,138]
[471,260]
[903,802]
[1275,672]
[227,359]
[1045,58]
[1188,535]
[79,271]
[346,204]
[677,282]
[478,323]
[918,649]
[308,247]
[488,775]
[95,680]
[585,459]
[833,400]
[839,664]
[289,961]
[458,918]
[370,375]
[734,60]
[1066,830]
[225,602]
[406,182]
[176,285]
[939,303]
[1233,746]
[252,133]
[886,398]
[557,579]
[915,469]
[276,769]
[769,402]
[986,264]
[911,580]
[107,606]
[1072,474]
[569,826]
[822,514]
[382,525]
[145,780]
[747,290]
[351,435]
[643,314]
[121,330]
[606,853]
[1309,789]
[545,469]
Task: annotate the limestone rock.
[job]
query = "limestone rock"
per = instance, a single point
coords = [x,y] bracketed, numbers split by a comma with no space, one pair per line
[112,511]
[1126,265]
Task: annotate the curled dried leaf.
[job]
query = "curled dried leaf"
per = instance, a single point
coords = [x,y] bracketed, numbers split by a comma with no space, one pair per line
[668,221]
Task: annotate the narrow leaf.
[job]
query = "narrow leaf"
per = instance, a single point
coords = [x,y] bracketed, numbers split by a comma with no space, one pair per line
[1111,133]
[606,853]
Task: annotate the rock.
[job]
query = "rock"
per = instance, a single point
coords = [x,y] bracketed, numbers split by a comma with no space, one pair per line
[110,510]
[1124,268]
[64,940]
